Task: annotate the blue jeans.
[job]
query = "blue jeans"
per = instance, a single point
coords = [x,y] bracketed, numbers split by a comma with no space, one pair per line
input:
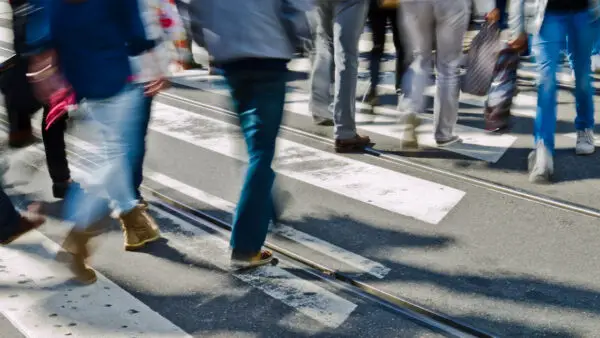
[117,120]
[596,45]
[137,157]
[548,44]
[8,215]
[258,97]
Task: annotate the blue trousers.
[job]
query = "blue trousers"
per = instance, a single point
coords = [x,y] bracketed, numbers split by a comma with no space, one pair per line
[259,98]
[8,215]
[118,123]
[548,44]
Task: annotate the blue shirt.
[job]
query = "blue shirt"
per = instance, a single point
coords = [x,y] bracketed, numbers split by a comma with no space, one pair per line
[94,40]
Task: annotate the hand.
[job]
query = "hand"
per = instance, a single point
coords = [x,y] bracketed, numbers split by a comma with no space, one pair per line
[493,16]
[152,88]
[520,43]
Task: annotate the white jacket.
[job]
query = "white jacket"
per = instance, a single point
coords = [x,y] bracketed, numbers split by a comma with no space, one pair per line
[155,64]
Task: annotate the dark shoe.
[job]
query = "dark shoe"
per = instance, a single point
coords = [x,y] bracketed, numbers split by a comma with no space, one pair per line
[372,98]
[322,121]
[60,189]
[357,143]
[244,261]
[21,139]
[26,223]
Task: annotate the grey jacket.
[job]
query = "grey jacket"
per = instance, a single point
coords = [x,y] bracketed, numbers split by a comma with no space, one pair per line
[237,29]
[526,16]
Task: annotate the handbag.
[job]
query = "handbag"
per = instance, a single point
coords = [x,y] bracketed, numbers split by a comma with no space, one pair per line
[481,60]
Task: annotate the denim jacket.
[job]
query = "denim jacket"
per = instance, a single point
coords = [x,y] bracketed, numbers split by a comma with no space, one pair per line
[526,16]
[234,30]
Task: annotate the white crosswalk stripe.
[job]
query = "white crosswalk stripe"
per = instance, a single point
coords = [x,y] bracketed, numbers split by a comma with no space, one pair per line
[304,296]
[39,300]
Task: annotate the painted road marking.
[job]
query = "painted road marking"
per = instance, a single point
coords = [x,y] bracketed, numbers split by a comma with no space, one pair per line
[477,143]
[40,301]
[361,263]
[387,189]
[308,298]
[393,191]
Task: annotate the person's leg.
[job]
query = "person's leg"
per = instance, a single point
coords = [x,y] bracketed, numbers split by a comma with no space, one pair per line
[56,154]
[399,46]
[259,99]
[12,223]
[452,19]
[9,217]
[581,38]
[320,77]
[349,19]
[138,156]
[502,91]
[418,23]
[378,23]
[20,105]
[547,46]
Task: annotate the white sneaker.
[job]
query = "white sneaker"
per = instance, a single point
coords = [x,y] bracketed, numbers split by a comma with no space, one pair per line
[541,164]
[585,142]
[595,63]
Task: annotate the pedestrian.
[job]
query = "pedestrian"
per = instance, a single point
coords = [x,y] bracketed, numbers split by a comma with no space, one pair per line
[552,22]
[163,25]
[94,40]
[255,66]
[380,13]
[31,37]
[340,24]
[439,25]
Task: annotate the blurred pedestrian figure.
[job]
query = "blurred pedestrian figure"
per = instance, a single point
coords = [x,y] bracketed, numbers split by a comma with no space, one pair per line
[94,40]
[164,26]
[439,25]
[340,25]
[31,29]
[552,22]
[380,13]
[253,54]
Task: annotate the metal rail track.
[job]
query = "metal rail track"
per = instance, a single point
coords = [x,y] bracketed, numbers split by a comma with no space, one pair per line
[430,318]
[403,162]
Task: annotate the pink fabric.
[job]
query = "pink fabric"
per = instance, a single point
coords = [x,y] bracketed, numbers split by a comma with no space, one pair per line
[61,102]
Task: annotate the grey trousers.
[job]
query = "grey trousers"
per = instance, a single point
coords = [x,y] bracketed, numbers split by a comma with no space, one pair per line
[446,22]
[340,24]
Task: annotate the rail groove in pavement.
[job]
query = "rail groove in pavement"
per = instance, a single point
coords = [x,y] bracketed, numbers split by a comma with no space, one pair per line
[401,161]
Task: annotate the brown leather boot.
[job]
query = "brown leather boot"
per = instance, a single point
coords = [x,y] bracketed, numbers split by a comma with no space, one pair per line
[76,252]
[138,228]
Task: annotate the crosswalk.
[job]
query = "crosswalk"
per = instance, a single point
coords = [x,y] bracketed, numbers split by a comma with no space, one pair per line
[39,300]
